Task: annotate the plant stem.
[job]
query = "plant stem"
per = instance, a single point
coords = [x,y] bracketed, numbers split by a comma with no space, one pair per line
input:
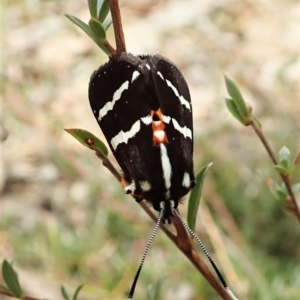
[24,297]
[109,47]
[183,243]
[181,240]
[117,23]
[294,207]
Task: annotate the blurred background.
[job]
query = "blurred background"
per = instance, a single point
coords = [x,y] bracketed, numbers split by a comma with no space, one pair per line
[63,217]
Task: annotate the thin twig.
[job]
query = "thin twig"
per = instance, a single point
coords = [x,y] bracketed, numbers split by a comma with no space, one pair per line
[181,240]
[184,245]
[117,23]
[109,47]
[24,297]
[294,206]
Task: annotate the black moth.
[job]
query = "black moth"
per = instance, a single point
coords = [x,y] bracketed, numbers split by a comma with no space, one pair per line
[142,104]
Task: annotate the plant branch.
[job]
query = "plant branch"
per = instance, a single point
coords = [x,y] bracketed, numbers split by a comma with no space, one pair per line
[117,23]
[293,207]
[110,47]
[181,240]
[185,246]
[24,297]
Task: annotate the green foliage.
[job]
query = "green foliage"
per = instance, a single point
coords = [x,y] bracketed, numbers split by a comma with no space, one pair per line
[98,24]
[237,104]
[11,279]
[154,293]
[195,197]
[285,166]
[66,295]
[89,140]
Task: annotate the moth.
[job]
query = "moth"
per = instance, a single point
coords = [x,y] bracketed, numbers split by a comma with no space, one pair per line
[142,104]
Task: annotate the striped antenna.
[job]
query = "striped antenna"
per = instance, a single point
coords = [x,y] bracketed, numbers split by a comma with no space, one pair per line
[225,285]
[161,213]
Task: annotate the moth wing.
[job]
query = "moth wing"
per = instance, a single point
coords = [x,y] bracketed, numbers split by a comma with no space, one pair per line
[174,99]
[122,103]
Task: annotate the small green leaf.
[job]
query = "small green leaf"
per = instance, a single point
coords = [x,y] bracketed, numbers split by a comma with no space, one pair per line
[81,25]
[282,170]
[296,188]
[149,292]
[97,29]
[256,120]
[280,190]
[195,197]
[89,32]
[285,156]
[77,292]
[154,293]
[11,279]
[88,139]
[104,9]
[158,287]
[237,97]
[4,288]
[64,293]
[93,8]
[108,21]
[234,110]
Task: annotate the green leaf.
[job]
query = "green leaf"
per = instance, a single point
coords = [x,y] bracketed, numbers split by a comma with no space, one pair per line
[106,24]
[155,295]
[195,197]
[104,9]
[234,110]
[280,190]
[77,292]
[88,139]
[11,279]
[89,32]
[81,25]
[256,120]
[99,5]
[93,8]
[64,293]
[282,170]
[237,97]
[97,29]
[4,288]
[149,292]
[158,288]
[285,156]
[296,188]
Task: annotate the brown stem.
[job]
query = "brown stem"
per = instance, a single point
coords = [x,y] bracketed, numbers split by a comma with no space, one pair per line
[117,23]
[182,240]
[264,141]
[24,297]
[294,206]
[297,158]
[107,163]
[110,47]
[184,245]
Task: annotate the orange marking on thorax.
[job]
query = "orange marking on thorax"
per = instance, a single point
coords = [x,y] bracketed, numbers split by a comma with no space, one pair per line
[158,127]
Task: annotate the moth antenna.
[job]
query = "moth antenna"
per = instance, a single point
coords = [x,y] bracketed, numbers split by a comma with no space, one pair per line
[225,285]
[160,216]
